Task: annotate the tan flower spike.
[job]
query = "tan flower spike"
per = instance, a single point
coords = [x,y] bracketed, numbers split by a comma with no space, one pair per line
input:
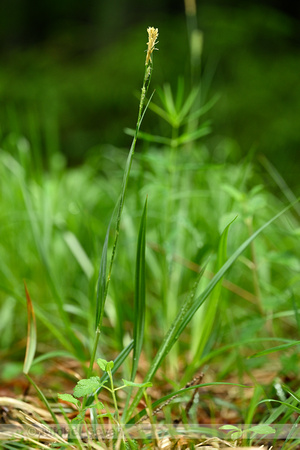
[152,40]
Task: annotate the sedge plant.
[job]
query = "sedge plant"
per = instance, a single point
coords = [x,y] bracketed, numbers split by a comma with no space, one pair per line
[104,277]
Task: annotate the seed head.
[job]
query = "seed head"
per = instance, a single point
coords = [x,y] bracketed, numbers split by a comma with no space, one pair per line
[152,40]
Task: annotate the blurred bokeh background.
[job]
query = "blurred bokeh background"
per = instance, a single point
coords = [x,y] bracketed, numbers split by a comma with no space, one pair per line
[70,71]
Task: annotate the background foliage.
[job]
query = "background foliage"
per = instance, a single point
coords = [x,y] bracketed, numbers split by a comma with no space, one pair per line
[67,67]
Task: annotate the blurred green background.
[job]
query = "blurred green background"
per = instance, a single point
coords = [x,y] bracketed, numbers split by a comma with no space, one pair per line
[72,67]
[70,77]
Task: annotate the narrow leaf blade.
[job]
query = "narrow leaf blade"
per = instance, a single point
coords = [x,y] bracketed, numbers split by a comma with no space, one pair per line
[139,385]
[274,349]
[213,302]
[31,334]
[148,137]
[140,294]
[102,281]
[79,253]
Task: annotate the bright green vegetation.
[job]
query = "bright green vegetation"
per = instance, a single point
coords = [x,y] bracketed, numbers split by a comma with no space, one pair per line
[179,254]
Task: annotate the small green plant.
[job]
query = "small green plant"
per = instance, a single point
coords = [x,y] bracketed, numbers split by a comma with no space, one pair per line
[80,405]
[87,387]
[237,433]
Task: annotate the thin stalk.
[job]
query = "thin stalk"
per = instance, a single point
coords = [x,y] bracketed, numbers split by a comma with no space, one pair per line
[113,394]
[152,34]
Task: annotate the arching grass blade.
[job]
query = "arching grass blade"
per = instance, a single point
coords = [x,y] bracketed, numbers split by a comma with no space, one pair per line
[31,334]
[140,294]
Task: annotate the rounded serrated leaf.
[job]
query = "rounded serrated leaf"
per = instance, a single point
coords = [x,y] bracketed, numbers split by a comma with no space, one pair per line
[87,387]
[102,363]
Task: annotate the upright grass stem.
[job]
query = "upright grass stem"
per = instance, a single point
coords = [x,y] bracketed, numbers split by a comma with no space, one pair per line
[102,293]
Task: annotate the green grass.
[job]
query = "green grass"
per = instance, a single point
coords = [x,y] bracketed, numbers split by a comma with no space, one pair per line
[169,253]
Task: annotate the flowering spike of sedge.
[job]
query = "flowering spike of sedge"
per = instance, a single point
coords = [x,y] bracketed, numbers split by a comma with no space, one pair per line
[152,40]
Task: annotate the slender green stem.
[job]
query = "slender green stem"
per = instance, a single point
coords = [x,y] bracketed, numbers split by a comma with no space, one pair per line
[114,396]
[146,83]
[141,112]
